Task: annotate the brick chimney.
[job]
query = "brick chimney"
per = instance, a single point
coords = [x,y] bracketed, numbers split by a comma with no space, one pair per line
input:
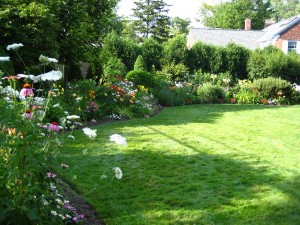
[247,24]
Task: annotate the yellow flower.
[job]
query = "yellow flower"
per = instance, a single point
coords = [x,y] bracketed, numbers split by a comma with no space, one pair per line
[105,94]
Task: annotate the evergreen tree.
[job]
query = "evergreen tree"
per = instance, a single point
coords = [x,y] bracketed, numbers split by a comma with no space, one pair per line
[152,19]
[139,64]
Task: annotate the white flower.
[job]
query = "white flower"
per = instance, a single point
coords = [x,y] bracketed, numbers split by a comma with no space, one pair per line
[73,117]
[226,80]
[53,213]
[51,76]
[25,76]
[36,79]
[4,58]
[179,84]
[45,60]
[118,139]
[89,132]
[9,91]
[53,60]
[118,172]
[213,76]
[14,46]
[39,100]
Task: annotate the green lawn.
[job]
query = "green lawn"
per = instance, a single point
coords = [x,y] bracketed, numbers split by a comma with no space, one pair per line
[198,164]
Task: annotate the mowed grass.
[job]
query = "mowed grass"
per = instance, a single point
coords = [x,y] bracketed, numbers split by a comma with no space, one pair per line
[198,164]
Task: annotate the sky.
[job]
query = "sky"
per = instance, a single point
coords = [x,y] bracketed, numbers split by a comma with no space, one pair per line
[181,8]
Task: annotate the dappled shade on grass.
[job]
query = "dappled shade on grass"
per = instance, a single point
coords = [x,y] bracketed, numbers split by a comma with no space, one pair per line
[200,164]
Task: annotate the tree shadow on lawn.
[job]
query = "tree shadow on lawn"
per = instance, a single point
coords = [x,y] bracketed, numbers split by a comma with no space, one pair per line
[186,189]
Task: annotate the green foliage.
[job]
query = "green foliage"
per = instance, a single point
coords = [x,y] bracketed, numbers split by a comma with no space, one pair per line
[152,52]
[273,62]
[125,49]
[143,78]
[218,61]
[175,50]
[272,87]
[284,9]
[113,69]
[201,55]
[247,96]
[175,72]
[151,19]
[210,93]
[231,15]
[61,29]
[180,26]
[6,67]
[237,58]
[139,64]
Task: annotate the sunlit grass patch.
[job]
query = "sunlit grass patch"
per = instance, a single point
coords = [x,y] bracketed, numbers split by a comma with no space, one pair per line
[199,164]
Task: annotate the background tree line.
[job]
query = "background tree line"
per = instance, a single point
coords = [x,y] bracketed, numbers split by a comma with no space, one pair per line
[91,31]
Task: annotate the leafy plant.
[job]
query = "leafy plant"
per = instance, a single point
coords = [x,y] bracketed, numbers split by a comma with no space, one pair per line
[210,93]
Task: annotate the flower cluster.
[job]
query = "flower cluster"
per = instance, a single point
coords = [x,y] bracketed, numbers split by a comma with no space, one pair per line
[64,210]
[92,107]
[118,139]
[90,133]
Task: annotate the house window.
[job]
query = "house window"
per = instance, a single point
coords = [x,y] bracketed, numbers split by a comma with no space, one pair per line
[292,46]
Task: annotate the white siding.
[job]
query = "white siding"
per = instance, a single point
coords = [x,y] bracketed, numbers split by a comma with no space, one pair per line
[298,47]
[284,47]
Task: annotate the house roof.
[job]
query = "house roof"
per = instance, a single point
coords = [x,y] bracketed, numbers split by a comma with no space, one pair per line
[222,37]
[274,30]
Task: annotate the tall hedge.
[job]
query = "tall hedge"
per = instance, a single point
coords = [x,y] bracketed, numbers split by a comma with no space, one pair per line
[272,62]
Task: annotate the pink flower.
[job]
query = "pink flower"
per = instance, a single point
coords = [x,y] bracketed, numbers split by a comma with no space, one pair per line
[51,175]
[54,127]
[28,114]
[26,91]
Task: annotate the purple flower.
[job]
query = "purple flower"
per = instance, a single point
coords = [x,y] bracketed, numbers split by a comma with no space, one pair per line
[26,91]
[51,175]
[54,127]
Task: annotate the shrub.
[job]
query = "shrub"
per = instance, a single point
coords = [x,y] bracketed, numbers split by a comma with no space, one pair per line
[247,96]
[272,87]
[210,93]
[127,50]
[237,58]
[175,50]
[143,78]
[139,64]
[273,62]
[113,69]
[152,54]
[176,72]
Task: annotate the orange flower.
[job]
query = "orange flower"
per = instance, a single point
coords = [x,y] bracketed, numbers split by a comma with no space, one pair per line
[27,86]
[92,93]
[11,131]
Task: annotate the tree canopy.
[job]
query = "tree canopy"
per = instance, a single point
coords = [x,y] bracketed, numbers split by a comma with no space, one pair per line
[151,19]
[65,29]
[232,14]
